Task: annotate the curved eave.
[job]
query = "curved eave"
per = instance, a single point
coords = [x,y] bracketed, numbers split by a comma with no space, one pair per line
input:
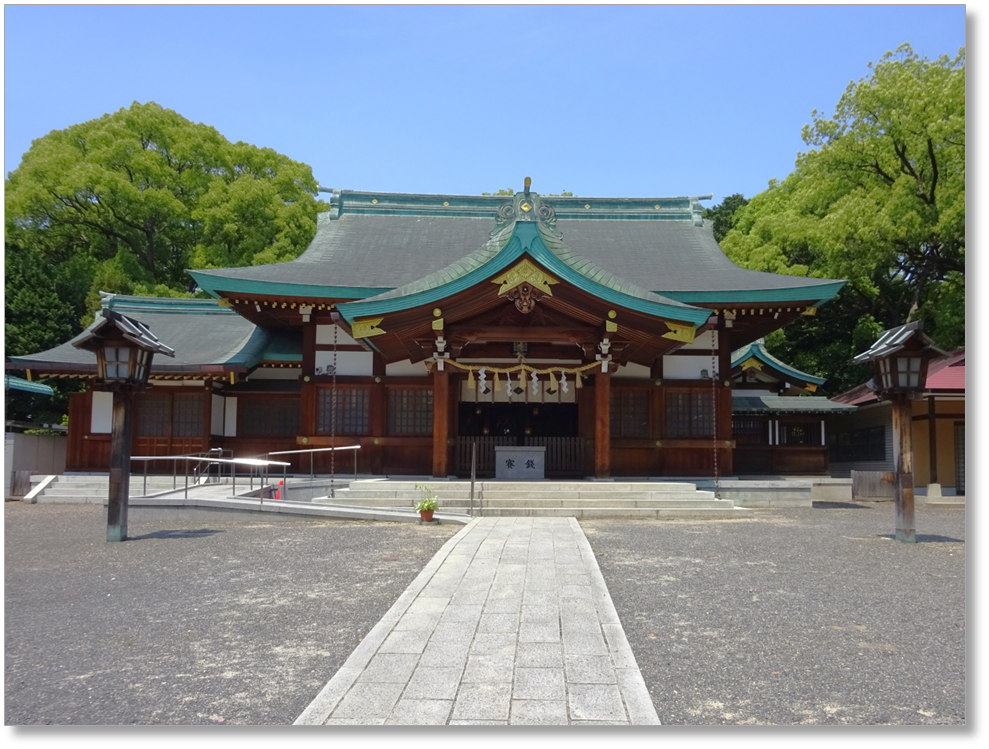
[771,361]
[525,240]
[223,286]
[817,293]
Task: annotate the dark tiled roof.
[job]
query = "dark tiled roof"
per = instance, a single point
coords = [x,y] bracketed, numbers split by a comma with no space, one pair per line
[654,243]
[785,404]
[200,332]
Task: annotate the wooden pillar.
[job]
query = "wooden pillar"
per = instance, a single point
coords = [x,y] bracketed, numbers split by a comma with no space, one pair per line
[377,419]
[441,421]
[120,453]
[903,459]
[726,463]
[307,388]
[932,439]
[602,425]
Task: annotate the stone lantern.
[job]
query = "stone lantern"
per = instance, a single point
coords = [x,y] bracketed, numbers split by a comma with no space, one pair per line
[900,358]
[124,348]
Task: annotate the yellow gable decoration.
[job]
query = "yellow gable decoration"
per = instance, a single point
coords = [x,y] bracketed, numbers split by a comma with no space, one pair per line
[367,328]
[683,333]
[751,363]
[522,273]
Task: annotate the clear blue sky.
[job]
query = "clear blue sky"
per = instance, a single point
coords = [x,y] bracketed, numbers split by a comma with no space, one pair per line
[603,101]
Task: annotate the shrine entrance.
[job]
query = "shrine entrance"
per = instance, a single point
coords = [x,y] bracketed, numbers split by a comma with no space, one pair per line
[550,425]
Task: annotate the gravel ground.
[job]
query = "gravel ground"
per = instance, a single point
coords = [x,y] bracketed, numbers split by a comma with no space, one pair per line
[235,622]
[795,616]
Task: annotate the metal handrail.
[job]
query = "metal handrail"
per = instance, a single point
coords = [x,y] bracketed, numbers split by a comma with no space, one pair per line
[200,458]
[312,474]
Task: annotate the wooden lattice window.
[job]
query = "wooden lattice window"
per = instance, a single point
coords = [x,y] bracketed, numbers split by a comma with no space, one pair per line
[410,411]
[187,415]
[269,417]
[153,410]
[749,430]
[859,444]
[688,414]
[800,433]
[629,413]
[352,410]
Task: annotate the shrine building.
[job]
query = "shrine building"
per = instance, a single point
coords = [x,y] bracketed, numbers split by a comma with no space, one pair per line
[416,326]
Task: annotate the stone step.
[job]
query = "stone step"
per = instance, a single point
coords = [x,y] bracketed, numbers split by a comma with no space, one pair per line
[685,501]
[441,487]
[599,512]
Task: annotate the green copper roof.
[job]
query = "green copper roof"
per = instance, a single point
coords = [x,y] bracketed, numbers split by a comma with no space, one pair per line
[756,404]
[16,383]
[201,332]
[370,243]
[758,350]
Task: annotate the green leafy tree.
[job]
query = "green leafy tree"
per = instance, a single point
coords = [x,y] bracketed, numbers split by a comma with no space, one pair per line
[151,193]
[723,214]
[879,201]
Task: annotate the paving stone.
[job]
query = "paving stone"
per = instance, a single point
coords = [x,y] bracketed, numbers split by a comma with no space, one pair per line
[367,700]
[355,722]
[394,668]
[483,702]
[540,598]
[502,606]
[641,710]
[595,702]
[544,631]
[581,592]
[420,713]
[500,642]
[469,595]
[423,604]
[505,591]
[581,644]
[406,641]
[444,654]
[453,632]
[539,655]
[478,723]
[539,684]
[541,584]
[490,668]
[433,683]
[535,613]
[492,623]
[421,621]
[464,612]
[539,713]
[590,669]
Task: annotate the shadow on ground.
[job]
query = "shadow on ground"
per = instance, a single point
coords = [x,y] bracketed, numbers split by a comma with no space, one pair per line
[183,533]
[821,505]
[928,538]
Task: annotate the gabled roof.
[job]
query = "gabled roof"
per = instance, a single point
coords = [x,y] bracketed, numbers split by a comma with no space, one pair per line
[758,350]
[895,339]
[205,337]
[371,243]
[785,404]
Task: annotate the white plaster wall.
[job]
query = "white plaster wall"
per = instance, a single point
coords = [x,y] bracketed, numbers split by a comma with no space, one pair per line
[685,367]
[702,341]
[348,362]
[102,417]
[230,417]
[324,334]
[406,369]
[275,373]
[216,416]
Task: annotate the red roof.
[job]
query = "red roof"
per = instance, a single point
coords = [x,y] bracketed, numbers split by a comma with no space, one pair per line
[946,373]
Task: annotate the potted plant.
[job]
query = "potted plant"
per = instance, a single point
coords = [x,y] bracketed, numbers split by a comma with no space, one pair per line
[427,505]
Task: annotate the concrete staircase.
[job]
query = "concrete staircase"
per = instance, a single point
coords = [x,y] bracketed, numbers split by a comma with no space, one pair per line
[580,499]
[95,488]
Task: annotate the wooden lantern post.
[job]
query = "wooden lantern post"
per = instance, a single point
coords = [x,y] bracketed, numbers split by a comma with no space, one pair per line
[124,348]
[900,358]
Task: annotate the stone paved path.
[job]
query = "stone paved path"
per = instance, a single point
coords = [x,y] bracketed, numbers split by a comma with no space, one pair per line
[510,623]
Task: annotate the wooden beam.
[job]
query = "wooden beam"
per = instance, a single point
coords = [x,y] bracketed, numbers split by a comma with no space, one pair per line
[903,459]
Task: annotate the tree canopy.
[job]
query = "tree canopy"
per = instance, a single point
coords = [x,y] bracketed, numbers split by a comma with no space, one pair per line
[128,201]
[879,200]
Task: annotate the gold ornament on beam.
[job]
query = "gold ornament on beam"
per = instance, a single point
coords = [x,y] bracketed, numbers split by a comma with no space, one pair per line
[470,379]
[525,272]
[367,328]
[678,332]
[751,363]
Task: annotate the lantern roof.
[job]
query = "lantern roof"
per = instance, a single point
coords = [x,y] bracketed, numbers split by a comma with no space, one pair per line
[110,321]
[910,336]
